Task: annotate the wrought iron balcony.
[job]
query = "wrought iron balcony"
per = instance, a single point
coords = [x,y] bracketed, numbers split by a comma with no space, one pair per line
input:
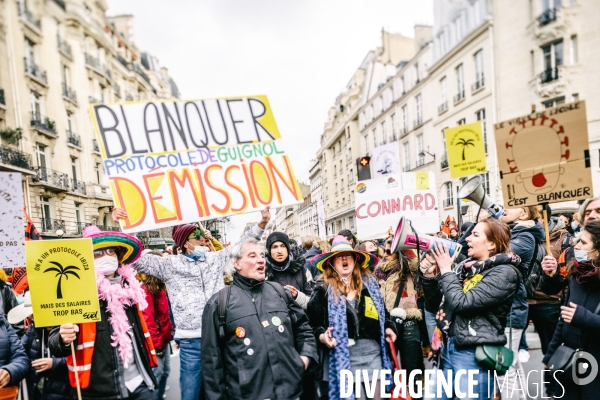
[459,97]
[95,63]
[549,75]
[406,168]
[73,138]
[96,146]
[122,60]
[109,228]
[417,123]
[478,84]
[69,94]
[64,48]
[52,225]
[78,187]
[420,162]
[15,158]
[35,72]
[43,124]
[444,163]
[51,179]
[448,202]
[136,68]
[128,97]
[2,99]
[80,226]
[28,16]
[404,131]
[547,16]
[117,89]
[443,107]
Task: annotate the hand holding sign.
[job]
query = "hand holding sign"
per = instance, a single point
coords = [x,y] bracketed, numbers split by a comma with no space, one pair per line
[68,333]
[4,378]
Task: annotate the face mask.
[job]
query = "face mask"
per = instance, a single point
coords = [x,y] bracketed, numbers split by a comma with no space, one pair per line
[574,225]
[199,251]
[581,255]
[106,265]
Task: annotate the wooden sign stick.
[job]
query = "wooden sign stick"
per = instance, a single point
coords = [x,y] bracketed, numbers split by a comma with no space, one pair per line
[76,372]
[547,230]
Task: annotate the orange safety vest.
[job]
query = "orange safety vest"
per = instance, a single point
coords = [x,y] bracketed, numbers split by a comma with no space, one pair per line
[85,351]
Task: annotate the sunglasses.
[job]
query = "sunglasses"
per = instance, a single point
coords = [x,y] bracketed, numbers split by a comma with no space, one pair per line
[196,235]
[388,252]
[109,251]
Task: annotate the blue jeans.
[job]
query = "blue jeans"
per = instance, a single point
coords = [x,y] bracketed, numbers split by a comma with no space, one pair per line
[190,378]
[430,323]
[161,372]
[455,360]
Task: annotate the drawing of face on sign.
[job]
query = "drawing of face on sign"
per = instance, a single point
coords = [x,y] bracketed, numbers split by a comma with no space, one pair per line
[542,134]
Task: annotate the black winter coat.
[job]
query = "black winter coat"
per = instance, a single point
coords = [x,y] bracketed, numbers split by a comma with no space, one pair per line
[581,333]
[12,354]
[107,380]
[262,361]
[484,308]
[313,251]
[8,301]
[294,275]
[56,380]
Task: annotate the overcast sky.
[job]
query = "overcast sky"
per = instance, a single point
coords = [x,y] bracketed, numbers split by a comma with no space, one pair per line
[300,53]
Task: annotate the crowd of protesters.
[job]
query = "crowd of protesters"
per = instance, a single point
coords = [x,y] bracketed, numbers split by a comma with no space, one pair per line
[282,320]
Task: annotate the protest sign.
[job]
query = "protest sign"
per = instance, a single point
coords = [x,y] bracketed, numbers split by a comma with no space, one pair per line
[465,145]
[544,156]
[385,160]
[321,218]
[12,239]
[380,203]
[62,281]
[173,162]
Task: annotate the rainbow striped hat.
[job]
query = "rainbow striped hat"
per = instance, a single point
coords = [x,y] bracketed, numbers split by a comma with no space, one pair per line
[103,239]
[342,245]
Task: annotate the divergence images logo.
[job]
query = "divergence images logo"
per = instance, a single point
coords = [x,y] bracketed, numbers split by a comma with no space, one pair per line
[361,187]
[585,368]
[60,271]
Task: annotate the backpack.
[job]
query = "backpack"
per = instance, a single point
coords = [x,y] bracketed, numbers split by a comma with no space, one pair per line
[224,300]
[534,277]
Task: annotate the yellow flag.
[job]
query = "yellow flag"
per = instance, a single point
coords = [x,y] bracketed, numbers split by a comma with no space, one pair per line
[370,309]
[62,281]
[466,150]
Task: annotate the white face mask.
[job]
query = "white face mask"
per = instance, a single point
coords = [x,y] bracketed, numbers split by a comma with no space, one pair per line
[582,255]
[106,265]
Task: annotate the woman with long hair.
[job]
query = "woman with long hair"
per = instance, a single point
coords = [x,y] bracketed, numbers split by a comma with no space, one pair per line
[348,316]
[579,322]
[476,297]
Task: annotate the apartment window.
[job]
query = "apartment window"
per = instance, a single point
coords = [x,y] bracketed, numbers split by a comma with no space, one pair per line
[383,133]
[375,141]
[532,62]
[335,170]
[554,102]
[553,55]
[78,213]
[419,102]
[445,148]
[351,178]
[444,90]
[394,126]
[449,193]
[102,89]
[70,123]
[573,52]
[46,212]
[98,169]
[29,52]
[367,147]
[550,4]
[66,76]
[461,121]
[459,27]
[417,77]
[479,68]
[460,81]
[420,149]
[480,115]
[403,85]
[74,168]
[351,222]
[348,133]
[406,156]
[405,118]
[42,157]
[36,104]
[486,182]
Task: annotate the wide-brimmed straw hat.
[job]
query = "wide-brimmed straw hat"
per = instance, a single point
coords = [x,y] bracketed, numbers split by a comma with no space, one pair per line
[102,239]
[22,311]
[342,245]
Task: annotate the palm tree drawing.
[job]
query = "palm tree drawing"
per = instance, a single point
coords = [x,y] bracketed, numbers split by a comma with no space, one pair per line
[465,143]
[62,272]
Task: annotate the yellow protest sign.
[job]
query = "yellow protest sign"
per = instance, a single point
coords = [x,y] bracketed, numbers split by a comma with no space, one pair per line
[422,179]
[466,150]
[62,281]
[370,309]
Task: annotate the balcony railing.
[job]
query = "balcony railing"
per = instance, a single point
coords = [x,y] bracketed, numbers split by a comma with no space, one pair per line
[94,100]
[448,202]
[404,132]
[420,162]
[78,187]
[478,84]
[96,146]
[64,47]
[109,228]
[80,226]
[69,93]
[549,75]
[73,138]
[417,123]
[15,158]
[122,60]
[34,70]
[459,97]
[128,97]
[444,163]
[28,16]
[547,16]
[2,99]
[52,225]
[95,63]
[442,107]
[136,68]
[52,178]
[117,89]
[406,168]
[43,123]
[61,4]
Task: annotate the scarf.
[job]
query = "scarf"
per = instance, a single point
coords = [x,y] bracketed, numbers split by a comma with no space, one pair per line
[586,273]
[386,269]
[117,297]
[339,356]
[280,266]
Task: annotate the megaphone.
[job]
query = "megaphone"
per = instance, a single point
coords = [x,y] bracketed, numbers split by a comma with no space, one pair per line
[473,190]
[406,238]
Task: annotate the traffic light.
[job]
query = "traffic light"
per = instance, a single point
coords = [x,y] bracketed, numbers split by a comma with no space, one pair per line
[363,168]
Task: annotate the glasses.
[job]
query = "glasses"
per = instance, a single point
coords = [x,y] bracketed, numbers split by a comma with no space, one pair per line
[346,255]
[109,251]
[196,235]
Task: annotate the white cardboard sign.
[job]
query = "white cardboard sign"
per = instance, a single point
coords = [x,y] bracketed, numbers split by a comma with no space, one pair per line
[12,233]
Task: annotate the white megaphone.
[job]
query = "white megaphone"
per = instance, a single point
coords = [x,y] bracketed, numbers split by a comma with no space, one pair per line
[406,238]
[474,191]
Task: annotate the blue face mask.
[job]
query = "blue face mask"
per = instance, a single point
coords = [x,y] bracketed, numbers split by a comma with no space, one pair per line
[199,251]
[574,225]
[581,255]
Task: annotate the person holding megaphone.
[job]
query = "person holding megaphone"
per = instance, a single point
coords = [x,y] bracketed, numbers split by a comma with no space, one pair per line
[476,298]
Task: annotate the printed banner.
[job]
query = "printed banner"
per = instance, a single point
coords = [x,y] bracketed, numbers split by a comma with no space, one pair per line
[12,241]
[321,219]
[386,160]
[465,145]
[544,157]
[380,203]
[175,162]
[62,281]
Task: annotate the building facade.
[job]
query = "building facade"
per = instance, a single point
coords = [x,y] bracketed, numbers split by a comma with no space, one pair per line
[56,58]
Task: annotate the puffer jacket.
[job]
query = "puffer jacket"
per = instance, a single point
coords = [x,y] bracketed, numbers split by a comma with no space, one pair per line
[295,275]
[190,282]
[313,251]
[56,380]
[8,301]
[483,309]
[524,236]
[12,354]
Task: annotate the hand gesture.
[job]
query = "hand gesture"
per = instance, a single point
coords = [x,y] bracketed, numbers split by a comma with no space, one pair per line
[567,313]
[68,333]
[327,340]
[265,217]
[292,290]
[118,213]
[442,257]
[549,265]
[207,234]
[390,336]
[42,364]
[4,378]
[428,266]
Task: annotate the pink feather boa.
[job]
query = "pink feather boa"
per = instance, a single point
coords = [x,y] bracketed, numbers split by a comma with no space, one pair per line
[128,293]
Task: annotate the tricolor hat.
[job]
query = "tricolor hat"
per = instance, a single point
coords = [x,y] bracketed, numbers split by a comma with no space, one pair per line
[342,245]
[100,240]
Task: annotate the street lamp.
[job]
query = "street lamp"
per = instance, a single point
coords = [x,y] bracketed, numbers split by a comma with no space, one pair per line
[423,152]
